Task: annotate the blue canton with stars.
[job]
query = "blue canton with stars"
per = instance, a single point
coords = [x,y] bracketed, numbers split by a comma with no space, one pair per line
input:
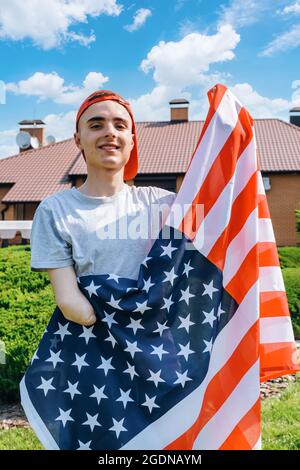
[97,387]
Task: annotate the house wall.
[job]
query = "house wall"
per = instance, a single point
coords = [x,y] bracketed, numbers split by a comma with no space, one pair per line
[283,199]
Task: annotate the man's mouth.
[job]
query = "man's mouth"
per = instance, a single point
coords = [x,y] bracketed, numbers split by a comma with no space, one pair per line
[109,147]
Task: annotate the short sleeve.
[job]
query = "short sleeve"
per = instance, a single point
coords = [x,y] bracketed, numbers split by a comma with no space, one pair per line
[49,249]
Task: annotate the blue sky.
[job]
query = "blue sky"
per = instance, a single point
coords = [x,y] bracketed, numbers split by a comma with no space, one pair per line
[54,53]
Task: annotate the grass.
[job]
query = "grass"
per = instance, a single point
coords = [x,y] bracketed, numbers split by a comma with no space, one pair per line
[280,425]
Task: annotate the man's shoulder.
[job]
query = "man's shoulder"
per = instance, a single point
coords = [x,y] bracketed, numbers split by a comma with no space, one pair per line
[154,193]
[54,198]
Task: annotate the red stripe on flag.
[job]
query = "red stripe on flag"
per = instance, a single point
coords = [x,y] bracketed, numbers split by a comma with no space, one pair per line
[274,304]
[246,433]
[245,277]
[268,254]
[277,359]
[221,386]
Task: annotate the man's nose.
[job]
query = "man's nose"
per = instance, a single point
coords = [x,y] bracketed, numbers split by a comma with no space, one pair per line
[109,129]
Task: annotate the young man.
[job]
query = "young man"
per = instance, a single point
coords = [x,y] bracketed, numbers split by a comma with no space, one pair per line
[76,232]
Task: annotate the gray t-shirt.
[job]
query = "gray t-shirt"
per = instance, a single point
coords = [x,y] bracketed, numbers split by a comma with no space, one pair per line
[98,235]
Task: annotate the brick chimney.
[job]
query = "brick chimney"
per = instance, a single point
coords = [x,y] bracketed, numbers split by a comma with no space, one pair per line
[179,110]
[35,128]
[295,116]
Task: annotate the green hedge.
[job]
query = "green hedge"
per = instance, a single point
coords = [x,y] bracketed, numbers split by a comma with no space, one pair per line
[27,303]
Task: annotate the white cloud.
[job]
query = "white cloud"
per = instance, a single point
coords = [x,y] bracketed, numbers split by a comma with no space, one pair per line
[8,144]
[48,24]
[245,13]
[186,62]
[283,42]
[296,93]
[61,126]
[139,19]
[260,106]
[294,8]
[52,86]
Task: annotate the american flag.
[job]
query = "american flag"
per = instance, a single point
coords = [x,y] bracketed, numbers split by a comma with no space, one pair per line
[175,358]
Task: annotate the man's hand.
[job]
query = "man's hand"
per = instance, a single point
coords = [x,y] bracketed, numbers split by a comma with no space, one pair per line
[69,298]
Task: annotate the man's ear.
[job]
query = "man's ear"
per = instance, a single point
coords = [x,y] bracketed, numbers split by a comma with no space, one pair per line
[132,142]
[77,140]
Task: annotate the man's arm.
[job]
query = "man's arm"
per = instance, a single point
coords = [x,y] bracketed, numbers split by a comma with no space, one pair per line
[71,301]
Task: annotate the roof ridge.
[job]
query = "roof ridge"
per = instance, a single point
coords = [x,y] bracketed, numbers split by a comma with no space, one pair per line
[293,126]
[34,150]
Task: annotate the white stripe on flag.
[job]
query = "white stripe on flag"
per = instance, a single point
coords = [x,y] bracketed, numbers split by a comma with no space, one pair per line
[240,246]
[221,126]
[265,231]
[217,218]
[241,400]
[168,428]
[261,189]
[276,330]
[271,279]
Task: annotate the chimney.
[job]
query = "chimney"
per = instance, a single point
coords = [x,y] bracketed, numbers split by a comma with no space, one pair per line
[295,116]
[35,128]
[179,110]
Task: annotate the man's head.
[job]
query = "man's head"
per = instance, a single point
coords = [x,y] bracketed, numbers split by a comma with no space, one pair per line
[104,119]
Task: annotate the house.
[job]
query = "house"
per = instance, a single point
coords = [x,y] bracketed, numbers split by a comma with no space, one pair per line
[165,149]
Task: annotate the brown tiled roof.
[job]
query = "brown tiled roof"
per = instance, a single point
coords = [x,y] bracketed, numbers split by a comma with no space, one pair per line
[164,147]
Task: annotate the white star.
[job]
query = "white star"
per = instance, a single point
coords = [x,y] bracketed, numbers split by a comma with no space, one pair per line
[64,416]
[168,303]
[62,330]
[114,277]
[142,307]
[92,421]
[132,348]
[80,362]
[167,250]
[54,358]
[150,403]
[72,389]
[209,289]
[161,327]
[186,323]
[170,276]
[84,446]
[135,325]
[112,339]
[187,268]
[114,303]
[106,365]
[220,311]
[92,289]
[118,426]
[159,350]
[87,333]
[131,371]
[185,351]
[208,346]
[209,317]
[46,385]
[185,295]
[182,378]
[109,319]
[98,393]
[155,377]
[124,397]
[146,261]
[147,284]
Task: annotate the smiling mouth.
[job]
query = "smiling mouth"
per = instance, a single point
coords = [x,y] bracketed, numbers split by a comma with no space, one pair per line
[109,148]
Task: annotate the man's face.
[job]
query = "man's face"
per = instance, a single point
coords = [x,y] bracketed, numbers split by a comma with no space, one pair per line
[105,124]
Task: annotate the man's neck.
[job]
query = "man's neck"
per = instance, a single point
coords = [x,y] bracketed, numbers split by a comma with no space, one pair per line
[98,187]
